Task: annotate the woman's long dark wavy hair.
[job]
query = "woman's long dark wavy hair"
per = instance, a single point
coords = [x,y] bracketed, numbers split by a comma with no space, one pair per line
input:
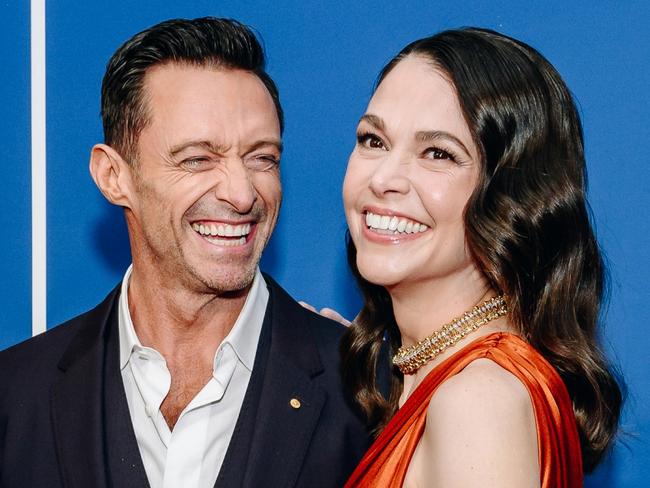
[527,227]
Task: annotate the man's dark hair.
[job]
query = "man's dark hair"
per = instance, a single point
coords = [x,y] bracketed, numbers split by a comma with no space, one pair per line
[207,41]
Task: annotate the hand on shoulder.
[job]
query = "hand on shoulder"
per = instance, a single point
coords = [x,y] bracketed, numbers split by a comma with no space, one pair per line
[328,313]
[480,431]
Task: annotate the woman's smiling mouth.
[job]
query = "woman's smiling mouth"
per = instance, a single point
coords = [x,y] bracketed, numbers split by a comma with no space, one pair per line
[392,224]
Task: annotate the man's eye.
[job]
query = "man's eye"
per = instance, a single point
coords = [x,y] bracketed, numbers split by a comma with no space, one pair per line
[262,162]
[194,163]
[370,141]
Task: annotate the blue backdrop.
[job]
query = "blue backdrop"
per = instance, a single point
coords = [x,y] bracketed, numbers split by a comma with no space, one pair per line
[325,57]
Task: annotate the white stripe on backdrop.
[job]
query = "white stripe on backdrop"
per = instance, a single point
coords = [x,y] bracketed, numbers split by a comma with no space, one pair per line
[39,214]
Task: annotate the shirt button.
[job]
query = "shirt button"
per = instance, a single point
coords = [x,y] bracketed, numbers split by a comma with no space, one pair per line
[148,410]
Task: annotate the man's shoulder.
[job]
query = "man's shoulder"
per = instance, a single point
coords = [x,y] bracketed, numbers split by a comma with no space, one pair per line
[46,349]
[321,328]
[306,339]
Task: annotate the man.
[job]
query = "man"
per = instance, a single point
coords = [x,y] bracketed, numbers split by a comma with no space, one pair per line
[195,371]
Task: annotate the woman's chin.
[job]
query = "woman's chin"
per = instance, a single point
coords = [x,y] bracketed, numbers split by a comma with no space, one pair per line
[381,275]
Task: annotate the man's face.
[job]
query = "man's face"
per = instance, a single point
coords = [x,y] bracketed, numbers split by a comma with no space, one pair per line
[207,180]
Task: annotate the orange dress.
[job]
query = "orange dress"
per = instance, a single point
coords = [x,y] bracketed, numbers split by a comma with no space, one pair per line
[386,462]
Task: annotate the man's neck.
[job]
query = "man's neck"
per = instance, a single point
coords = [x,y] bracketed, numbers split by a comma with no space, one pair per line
[177,321]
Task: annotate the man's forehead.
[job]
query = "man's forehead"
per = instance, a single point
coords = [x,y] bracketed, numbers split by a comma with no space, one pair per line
[181,76]
[186,102]
[176,85]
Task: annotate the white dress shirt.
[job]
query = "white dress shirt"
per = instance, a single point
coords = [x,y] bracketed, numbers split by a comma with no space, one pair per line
[191,455]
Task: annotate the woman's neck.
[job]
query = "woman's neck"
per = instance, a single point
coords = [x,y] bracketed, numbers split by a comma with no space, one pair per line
[423,307]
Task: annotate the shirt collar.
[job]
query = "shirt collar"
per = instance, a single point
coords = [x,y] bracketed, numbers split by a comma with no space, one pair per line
[245,334]
[243,337]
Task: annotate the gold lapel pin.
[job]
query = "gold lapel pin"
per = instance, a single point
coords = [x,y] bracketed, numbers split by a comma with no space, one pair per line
[295,403]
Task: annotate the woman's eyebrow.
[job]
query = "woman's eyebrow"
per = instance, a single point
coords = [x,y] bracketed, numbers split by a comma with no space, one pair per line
[435,135]
[420,136]
[373,120]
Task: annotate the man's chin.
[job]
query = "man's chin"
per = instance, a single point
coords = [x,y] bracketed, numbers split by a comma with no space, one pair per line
[216,273]
[235,281]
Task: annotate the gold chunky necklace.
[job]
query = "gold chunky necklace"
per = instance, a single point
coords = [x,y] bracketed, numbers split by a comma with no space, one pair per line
[410,359]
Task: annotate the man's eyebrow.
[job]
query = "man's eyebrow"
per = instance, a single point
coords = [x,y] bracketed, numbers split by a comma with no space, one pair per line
[210,146]
[219,149]
[266,142]
[373,120]
[436,135]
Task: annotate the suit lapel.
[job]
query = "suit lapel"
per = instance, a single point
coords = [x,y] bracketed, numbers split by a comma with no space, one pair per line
[233,468]
[281,429]
[76,401]
[124,463]
[283,432]
[290,402]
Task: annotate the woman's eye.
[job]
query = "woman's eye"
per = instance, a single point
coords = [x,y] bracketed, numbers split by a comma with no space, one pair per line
[437,153]
[370,141]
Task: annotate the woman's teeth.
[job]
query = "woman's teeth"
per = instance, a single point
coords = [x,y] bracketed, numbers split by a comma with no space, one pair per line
[393,224]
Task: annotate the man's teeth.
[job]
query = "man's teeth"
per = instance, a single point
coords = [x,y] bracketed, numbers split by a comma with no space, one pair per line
[224,230]
[398,225]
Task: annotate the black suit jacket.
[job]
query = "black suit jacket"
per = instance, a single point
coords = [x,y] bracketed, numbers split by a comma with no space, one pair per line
[64,419]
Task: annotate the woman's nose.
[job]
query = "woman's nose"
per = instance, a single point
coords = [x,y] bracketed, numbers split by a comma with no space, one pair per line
[390,176]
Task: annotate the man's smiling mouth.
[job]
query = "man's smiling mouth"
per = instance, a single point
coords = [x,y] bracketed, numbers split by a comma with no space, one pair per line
[223,234]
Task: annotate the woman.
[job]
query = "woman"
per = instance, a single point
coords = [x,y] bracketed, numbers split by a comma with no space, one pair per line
[470,238]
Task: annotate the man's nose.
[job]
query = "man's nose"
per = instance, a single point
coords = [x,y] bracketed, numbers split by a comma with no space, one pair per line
[391,176]
[236,188]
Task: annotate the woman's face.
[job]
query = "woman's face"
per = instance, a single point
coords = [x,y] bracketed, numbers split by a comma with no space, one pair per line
[409,178]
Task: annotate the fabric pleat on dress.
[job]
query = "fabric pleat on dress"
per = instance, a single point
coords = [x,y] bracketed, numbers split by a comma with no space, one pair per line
[386,462]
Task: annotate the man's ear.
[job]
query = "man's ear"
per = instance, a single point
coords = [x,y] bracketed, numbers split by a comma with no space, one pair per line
[113,176]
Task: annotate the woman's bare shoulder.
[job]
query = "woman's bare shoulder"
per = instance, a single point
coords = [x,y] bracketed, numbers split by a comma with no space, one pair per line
[483,379]
[480,430]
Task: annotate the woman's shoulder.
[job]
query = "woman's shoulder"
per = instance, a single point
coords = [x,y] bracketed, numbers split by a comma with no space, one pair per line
[483,392]
[483,379]
[505,356]
[487,387]
[481,426]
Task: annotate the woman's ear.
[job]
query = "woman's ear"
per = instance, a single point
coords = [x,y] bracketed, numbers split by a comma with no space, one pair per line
[112,175]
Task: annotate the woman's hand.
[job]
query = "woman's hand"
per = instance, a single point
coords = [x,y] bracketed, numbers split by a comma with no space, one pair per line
[329,313]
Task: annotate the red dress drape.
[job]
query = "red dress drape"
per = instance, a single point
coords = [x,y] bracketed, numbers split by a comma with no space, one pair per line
[386,462]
